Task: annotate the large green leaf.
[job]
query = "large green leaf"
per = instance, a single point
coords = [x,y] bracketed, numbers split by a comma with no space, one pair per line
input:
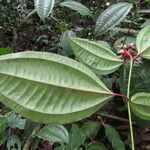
[54,133]
[50,88]
[80,8]
[114,137]
[140,104]
[97,57]
[44,7]
[143,42]
[111,17]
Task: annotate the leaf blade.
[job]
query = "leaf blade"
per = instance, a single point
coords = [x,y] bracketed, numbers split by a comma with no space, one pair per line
[98,58]
[114,137]
[140,105]
[111,17]
[143,42]
[80,8]
[49,88]
[44,7]
[54,133]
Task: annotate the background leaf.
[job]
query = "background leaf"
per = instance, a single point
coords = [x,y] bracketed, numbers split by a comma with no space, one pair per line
[114,137]
[75,137]
[54,133]
[44,7]
[143,42]
[80,8]
[49,88]
[140,82]
[95,56]
[124,40]
[3,132]
[64,41]
[111,17]
[13,143]
[96,146]
[15,121]
[4,51]
[90,129]
[140,105]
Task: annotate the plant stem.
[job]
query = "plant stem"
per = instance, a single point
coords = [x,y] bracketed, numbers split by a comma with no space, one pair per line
[29,15]
[126,30]
[30,139]
[128,104]
[114,117]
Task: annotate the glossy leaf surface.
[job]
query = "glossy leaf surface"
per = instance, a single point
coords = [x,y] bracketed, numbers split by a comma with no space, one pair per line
[140,104]
[95,56]
[44,7]
[111,17]
[50,88]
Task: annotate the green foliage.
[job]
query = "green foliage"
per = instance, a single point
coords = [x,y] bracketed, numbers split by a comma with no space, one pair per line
[124,40]
[49,88]
[75,138]
[3,133]
[54,133]
[50,75]
[140,104]
[95,56]
[16,121]
[111,17]
[90,129]
[4,51]
[13,143]
[80,8]
[140,77]
[44,8]
[64,41]
[143,42]
[114,137]
[96,146]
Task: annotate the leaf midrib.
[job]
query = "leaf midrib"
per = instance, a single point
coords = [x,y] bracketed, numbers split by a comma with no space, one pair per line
[56,85]
[98,55]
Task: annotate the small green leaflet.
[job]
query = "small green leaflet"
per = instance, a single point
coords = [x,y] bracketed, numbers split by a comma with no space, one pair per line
[140,105]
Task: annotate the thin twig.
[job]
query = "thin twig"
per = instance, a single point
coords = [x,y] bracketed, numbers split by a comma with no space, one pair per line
[114,117]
